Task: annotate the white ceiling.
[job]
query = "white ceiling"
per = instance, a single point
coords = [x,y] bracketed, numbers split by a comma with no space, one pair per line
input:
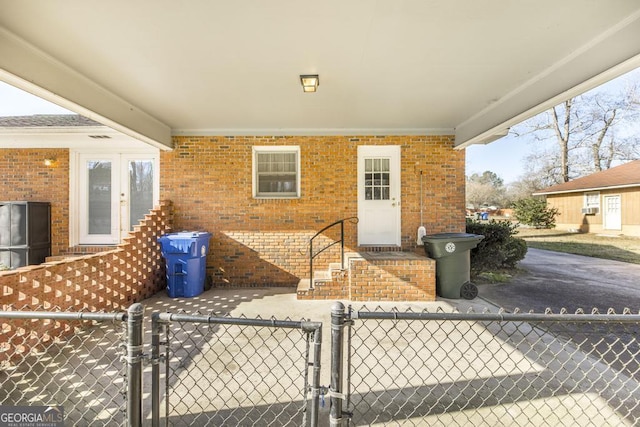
[156,68]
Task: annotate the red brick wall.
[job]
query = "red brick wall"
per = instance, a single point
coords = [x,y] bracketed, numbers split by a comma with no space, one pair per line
[109,281]
[24,176]
[106,281]
[263,242]
[393,280]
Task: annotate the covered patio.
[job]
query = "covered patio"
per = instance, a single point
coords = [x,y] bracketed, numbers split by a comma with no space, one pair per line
[469,68]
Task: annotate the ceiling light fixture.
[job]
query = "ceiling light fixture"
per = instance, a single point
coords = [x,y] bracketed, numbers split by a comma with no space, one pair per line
[310,82]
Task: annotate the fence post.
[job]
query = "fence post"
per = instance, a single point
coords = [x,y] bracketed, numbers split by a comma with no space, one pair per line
[135,335]
[155,369]
[337,341]
[315,380]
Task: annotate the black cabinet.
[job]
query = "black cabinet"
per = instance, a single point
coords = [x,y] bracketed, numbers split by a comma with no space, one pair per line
[25,233]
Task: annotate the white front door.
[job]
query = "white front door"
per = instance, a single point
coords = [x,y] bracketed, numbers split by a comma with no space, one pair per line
[612,213]
[379,195]
[115,191]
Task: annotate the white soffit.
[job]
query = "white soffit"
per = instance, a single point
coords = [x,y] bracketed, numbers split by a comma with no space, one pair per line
[151,69]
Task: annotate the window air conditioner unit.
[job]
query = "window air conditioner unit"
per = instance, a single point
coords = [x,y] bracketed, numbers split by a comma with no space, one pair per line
[589,211]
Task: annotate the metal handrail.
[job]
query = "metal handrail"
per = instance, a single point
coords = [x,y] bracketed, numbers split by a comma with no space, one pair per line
[312,255]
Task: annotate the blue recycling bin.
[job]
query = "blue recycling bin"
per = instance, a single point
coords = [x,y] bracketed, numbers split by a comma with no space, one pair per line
[185,254]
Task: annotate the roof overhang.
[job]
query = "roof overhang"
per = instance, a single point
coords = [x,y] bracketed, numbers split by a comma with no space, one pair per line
[472,68]
[85,137]
[585,190]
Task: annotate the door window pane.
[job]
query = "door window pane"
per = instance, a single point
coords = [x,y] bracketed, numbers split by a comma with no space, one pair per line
[99,196]
[140,190]
[377,179]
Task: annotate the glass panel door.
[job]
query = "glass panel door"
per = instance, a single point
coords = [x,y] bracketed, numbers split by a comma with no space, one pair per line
[116,191]
[100,194]
[139,195]
[98,199]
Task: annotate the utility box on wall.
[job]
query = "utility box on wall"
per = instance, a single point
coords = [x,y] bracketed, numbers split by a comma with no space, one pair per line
[25,233]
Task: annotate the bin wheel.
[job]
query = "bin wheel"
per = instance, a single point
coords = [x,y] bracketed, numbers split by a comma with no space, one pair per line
[469,291]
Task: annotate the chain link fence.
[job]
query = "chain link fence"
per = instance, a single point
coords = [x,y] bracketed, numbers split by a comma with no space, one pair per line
[462,369]
[73,360]
[235,371]
[387,368]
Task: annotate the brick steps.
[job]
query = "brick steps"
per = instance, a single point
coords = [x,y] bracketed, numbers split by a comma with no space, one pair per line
[378,276]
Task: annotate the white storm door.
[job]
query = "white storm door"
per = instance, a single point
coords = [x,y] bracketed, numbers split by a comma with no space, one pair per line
[115,191]
[99,198]
[612,213]
[379,195]
[137,190]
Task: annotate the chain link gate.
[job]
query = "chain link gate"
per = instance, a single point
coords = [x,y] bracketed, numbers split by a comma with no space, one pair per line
[234,371]
[411,368]
[484,369]
[73,360]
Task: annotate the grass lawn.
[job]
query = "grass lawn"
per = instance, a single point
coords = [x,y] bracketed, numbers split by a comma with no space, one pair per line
[619,248]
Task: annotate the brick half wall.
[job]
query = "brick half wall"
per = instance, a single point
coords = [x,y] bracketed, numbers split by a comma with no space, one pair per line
[106,282]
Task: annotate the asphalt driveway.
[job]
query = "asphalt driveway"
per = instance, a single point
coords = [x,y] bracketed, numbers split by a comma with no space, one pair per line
[558,280]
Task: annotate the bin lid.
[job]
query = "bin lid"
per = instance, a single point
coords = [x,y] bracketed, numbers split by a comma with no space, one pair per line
[453,236]
[183,235]
[181,243]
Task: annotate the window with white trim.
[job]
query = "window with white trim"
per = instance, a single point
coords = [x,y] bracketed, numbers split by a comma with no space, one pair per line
[592,200]
[276,171]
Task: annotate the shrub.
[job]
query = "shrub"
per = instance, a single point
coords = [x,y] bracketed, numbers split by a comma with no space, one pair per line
[515,250]
[535,212]
[499,249]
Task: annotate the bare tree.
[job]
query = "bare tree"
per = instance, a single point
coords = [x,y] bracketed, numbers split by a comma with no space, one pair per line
[591,133]
[486,189]
[563,133]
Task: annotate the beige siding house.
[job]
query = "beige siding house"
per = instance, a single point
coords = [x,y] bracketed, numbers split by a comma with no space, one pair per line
[604,202]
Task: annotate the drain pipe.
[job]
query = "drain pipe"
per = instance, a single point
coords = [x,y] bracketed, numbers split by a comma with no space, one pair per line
[422,231]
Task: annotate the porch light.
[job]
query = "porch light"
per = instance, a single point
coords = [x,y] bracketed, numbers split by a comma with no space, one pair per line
[310,82]
[49,161]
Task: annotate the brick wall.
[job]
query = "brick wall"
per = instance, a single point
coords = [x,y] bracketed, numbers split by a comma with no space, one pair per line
[108,281]
[25,177]
[393,280]
[259,242]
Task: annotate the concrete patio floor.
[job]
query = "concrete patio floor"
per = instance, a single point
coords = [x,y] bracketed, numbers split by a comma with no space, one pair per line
[494,357]
[281,304]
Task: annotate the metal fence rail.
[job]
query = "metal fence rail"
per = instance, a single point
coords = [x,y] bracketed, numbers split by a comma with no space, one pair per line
[234,371]
[387,368]
[487,369]
[73,360]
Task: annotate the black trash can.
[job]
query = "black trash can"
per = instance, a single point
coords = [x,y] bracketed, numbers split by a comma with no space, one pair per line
[453,263]
[186,261]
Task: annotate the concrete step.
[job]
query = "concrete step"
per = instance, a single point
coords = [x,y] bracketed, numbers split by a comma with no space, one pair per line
[321,276]
[303,285]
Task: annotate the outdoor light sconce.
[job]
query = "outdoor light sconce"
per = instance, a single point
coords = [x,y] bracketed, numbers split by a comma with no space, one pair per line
[310,82]
[49,161]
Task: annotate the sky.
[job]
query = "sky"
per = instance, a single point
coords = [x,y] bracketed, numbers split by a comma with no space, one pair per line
[16,102]
[505,157]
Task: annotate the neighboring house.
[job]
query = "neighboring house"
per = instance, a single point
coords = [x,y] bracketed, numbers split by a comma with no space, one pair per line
[604,202]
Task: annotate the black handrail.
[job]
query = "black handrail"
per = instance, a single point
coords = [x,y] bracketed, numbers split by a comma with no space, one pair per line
[312,255]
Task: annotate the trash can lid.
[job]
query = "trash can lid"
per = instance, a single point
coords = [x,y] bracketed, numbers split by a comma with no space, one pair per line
[185,235]
[452,236]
